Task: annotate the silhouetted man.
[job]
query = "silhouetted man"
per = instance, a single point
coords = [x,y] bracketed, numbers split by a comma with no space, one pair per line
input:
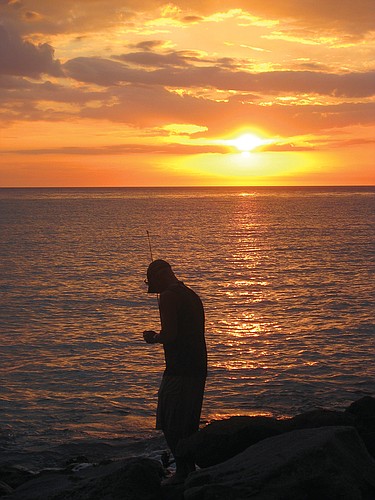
[182,335]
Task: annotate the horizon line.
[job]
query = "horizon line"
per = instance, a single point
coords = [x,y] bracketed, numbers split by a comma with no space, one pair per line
[196,186]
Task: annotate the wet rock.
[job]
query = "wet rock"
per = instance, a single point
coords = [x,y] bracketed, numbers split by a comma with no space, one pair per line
[326,463]
[223,439]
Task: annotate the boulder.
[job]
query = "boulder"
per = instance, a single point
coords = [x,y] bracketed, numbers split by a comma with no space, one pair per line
[364,409]
[5,489]
[307,464]
[14,475]
[320,418]
[223,439]
[133,479]
[360,414]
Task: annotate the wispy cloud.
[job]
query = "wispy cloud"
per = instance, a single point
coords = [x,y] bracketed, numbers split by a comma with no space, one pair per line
[122,149]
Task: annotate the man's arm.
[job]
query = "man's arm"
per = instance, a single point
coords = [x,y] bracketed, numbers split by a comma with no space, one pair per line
[150,336]
[168,318]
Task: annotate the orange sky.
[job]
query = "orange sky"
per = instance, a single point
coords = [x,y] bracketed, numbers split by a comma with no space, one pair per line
[148,93]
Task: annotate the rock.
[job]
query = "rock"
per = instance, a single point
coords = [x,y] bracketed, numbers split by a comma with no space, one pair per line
[5,489]
[223,439]
[364,409]
[308,464]
[369,440]
[320,418]
[173,492]
[78,460]
[315,455]
[14,475]
[131,479]
[360,414]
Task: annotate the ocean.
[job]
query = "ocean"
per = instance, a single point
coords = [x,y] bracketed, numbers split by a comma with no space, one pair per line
[286,276]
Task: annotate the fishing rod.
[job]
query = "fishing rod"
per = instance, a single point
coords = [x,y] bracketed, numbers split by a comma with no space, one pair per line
[149,244]
[152,258]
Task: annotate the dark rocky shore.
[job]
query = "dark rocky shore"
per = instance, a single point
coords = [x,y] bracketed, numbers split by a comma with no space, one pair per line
[319,455]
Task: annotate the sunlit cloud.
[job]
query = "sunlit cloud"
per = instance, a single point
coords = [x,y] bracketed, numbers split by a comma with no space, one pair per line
[184,128]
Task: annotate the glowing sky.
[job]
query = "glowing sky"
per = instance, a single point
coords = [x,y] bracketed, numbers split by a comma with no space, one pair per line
[143,93]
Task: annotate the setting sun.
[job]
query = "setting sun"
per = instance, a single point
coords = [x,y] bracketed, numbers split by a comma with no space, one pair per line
[247,142]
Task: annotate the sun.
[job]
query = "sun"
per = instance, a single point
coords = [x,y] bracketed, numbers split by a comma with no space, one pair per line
[247,142]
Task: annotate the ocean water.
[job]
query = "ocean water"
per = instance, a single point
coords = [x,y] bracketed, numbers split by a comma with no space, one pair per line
[286,276]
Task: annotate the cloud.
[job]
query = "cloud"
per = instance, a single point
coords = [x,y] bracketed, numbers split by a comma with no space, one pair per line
[148,45]
[176,59]
[148,58]
[69,16]
[25,100]
[333,15]
[174,71]
[154,106]
[22,90]
[23,58]
[13,83]
[141,87]
[124,149]
[140,105]
[287,148]
[192,19]
[346,16]
[98,70]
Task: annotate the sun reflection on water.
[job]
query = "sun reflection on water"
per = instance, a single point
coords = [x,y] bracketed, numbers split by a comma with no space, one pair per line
[246,194]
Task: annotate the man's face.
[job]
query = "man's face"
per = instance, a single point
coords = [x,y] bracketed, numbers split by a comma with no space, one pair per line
[157,274]
[154,280]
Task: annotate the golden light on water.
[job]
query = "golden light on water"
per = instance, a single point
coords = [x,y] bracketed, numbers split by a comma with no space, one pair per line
[253,413]
[245,194]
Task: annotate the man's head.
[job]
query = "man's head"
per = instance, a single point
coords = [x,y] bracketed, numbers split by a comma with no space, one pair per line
[159,276]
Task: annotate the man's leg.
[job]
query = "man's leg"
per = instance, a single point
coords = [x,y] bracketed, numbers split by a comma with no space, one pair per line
[179,408]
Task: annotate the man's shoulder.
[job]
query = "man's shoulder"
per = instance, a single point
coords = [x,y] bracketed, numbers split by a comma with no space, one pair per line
[170,294]
[180,293]
[176,292]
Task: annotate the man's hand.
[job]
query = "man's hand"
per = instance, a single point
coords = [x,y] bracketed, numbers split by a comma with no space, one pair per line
[150,336]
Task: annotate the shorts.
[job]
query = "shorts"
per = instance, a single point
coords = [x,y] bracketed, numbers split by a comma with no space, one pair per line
[179,404]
